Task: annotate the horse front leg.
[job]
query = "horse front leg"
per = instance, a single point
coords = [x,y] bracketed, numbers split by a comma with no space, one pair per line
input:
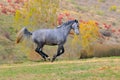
[59,52]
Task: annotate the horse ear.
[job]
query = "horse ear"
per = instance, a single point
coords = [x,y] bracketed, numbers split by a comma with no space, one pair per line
[76,20]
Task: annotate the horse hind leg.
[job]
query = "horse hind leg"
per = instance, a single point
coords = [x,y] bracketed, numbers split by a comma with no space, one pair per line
[40,52]
[46,56]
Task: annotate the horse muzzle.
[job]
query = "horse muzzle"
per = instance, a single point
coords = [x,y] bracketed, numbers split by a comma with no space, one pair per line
[77,32]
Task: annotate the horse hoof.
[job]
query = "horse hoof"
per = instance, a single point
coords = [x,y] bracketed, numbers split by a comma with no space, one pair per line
[48,58]
[53,59]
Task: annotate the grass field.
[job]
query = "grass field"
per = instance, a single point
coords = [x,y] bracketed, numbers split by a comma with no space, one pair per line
[86,69]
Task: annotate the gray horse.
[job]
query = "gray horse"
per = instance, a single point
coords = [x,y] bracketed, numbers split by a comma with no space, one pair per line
[56,36]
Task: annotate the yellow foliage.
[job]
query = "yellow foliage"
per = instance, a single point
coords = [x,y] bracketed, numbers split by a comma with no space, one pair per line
[88,34]
[75,39]
[36,13]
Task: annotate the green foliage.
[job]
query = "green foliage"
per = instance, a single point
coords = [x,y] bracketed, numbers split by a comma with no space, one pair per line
[101,1]
[113,8]
[82,8]
[100,12]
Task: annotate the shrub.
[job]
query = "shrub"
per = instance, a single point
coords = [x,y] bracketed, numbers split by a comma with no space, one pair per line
[113,8]
[101,0]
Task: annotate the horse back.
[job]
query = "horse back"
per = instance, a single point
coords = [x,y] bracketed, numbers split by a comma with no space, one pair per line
[48,37]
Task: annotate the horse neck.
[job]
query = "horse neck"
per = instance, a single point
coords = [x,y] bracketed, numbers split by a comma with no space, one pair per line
[66,30]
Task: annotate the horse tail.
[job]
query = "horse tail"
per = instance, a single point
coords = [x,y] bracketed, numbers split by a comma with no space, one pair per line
[22,34]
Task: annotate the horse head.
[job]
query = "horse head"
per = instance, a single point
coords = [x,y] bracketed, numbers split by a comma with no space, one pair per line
[75,27]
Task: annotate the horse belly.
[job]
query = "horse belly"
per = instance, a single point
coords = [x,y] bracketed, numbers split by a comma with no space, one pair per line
[51,40]
[53,44]
[50,43]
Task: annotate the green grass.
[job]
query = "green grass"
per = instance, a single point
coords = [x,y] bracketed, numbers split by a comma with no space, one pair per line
[87,69]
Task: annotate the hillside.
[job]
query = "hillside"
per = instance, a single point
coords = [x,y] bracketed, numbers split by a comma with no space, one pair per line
[104,12]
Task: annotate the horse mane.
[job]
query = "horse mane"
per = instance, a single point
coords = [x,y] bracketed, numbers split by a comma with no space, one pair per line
[68,22]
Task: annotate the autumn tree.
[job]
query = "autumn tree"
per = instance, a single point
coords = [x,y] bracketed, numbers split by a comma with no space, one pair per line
[39,13]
